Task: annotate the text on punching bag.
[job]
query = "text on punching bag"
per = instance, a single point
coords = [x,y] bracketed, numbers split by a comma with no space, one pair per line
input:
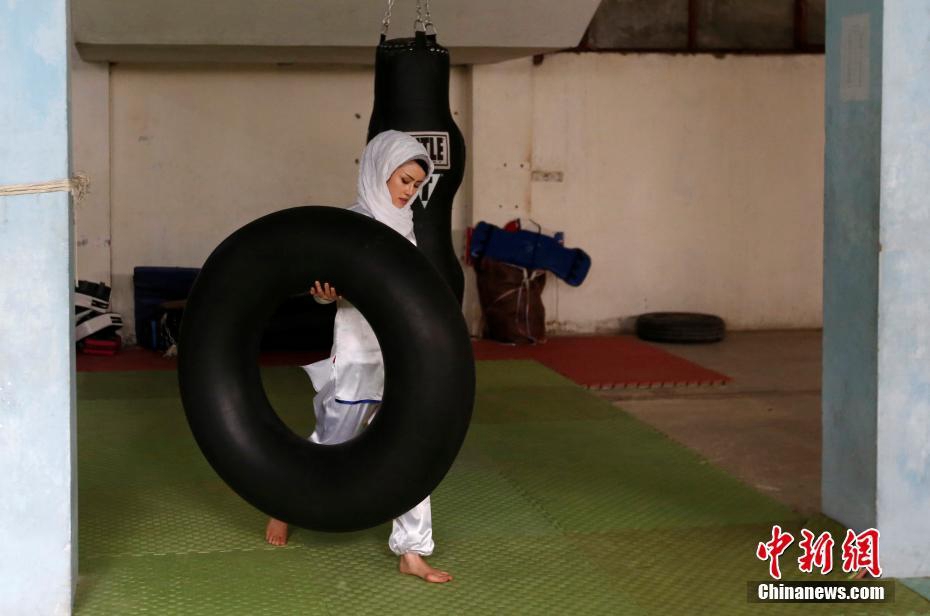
[437,146]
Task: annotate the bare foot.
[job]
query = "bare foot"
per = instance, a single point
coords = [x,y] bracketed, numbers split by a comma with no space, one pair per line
[412,563]
[276,532]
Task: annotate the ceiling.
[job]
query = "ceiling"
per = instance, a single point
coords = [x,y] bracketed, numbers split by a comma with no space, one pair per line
[317,31]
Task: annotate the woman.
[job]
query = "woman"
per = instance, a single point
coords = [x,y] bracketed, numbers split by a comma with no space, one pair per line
[350,382]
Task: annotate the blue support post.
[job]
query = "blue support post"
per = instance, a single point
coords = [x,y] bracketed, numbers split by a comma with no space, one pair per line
[37,400]
[876,378]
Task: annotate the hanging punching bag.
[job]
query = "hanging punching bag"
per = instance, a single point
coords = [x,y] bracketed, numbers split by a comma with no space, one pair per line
[412,95]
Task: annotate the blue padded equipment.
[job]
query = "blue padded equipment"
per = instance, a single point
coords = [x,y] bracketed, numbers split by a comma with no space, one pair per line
[532,250]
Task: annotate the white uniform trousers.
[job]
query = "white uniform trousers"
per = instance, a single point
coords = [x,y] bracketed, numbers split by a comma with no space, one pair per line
[337,422]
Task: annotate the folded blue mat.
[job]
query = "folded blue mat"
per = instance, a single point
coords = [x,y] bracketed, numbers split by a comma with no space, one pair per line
[531,250]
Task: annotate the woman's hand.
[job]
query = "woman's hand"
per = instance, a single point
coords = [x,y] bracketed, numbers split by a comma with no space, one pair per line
[324,292]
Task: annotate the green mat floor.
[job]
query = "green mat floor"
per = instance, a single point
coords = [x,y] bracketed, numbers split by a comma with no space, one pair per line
[558,504]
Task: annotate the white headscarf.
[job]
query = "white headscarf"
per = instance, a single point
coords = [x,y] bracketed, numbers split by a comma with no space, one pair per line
[381,157]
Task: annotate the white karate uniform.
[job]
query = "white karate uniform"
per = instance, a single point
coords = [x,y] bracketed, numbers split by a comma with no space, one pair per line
[350,382]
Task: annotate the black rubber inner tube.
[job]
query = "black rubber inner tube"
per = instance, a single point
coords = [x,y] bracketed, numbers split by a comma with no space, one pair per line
[429,369]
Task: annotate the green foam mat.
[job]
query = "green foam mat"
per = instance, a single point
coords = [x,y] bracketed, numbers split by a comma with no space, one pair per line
[559,503]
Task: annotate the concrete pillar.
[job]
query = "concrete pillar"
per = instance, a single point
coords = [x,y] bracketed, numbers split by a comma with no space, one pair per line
[37,420]
[876,376]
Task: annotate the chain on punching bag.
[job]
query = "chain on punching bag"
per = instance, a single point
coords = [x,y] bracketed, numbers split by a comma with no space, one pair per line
[412,95]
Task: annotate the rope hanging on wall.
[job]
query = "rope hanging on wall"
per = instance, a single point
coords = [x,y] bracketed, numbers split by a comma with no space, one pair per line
[77,186]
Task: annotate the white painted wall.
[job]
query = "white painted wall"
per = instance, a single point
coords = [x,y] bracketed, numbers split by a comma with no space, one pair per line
[695,183]
[90,152]
[197,152]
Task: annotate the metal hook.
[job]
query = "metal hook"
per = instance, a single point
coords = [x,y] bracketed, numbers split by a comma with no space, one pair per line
[419,23]
[429,22]
[386,22]
[422,23]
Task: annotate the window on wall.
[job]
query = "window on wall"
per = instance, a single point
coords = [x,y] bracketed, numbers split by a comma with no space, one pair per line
[712,26]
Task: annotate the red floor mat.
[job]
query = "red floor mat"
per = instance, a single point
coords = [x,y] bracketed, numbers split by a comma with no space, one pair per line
[591,361]
[137,358]
[602,362]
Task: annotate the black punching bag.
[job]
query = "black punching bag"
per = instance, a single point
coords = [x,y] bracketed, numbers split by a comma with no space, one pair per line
[412,95]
